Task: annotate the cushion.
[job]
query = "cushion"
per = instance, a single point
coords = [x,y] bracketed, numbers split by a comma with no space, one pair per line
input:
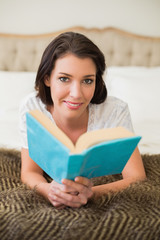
[139,87]
[14,87]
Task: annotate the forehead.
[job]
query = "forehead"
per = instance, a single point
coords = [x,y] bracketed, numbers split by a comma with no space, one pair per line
[71,61]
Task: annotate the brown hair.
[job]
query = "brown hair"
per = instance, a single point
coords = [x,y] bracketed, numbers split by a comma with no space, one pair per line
[79,45]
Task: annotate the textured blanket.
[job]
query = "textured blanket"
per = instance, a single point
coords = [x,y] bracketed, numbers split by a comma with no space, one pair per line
[133,213]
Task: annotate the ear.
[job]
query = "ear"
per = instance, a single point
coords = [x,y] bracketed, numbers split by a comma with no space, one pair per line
[47,81]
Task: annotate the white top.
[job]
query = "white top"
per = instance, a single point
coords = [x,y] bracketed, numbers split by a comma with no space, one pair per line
[111,113]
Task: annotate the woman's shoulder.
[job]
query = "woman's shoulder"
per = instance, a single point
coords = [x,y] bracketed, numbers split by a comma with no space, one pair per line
[31,101]
[31,97]
[107,113]
[115,101]
[110,104]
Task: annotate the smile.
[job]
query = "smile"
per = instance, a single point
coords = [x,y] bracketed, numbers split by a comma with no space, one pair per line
[72,105]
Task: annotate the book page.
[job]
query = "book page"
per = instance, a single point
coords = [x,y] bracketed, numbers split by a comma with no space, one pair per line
[89,139]
[86,140]
[53,129]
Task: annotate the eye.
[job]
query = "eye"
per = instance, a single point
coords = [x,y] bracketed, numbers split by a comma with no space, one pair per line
[88,81]
[63,79]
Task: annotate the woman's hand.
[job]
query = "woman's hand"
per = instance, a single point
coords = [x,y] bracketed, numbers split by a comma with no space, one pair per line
[70,193]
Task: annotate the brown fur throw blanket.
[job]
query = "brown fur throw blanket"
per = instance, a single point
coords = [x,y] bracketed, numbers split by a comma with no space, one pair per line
[131,214]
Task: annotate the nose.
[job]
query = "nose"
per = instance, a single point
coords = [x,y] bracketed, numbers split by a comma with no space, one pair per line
[76,90]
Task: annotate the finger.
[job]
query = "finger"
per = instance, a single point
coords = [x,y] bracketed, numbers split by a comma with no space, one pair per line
[78,187]
[71,200]
[85,181]
[69,203]
[80,191]
[56,204]
[57,198]
[56,185]
[64,188]
[84,192]
[68,199]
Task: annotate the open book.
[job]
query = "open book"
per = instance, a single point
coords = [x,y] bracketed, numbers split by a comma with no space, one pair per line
[96,153]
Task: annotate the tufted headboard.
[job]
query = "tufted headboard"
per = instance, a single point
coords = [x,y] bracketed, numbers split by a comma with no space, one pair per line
[23,52]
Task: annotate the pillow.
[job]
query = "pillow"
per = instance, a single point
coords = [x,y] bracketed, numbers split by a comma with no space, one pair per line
[139,87]
[14,87]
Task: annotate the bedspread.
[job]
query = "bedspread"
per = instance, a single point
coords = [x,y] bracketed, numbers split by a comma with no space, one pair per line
[133,213]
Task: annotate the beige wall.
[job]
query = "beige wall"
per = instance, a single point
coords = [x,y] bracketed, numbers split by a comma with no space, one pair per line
[41,16]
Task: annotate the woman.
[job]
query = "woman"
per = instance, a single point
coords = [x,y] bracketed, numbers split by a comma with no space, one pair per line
[70,90]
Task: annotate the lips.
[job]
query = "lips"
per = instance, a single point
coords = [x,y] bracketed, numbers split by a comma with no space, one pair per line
[72,105]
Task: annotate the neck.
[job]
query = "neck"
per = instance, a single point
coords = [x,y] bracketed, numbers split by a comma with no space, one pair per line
[73,128]
[72,124]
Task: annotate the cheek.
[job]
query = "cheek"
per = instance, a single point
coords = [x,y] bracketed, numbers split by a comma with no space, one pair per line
[58,91]
[89,93]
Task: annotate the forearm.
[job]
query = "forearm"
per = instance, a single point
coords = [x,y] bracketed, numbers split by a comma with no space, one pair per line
[112,187]
[133,171]
[37,181]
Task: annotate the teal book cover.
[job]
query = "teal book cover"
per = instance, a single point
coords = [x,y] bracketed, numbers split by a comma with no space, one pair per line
[105,158]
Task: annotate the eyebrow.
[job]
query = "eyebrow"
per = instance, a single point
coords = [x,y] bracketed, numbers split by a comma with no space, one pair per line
[69,75]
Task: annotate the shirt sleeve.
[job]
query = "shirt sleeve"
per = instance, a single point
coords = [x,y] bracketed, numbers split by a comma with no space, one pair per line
[116,114]
[124,118]
[22,125]
[29,103]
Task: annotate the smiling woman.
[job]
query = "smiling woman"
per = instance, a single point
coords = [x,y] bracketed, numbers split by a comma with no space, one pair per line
[81,47]
[72,85]
[70,90]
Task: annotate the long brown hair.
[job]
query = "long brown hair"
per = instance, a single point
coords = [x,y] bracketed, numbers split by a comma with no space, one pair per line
[79,45]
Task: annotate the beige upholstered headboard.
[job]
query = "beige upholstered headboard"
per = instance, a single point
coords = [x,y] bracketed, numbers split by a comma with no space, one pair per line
[23,52]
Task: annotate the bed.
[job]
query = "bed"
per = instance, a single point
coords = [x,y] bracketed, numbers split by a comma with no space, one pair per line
[132,74]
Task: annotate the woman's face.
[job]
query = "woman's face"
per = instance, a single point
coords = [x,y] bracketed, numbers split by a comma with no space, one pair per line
[72,84]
